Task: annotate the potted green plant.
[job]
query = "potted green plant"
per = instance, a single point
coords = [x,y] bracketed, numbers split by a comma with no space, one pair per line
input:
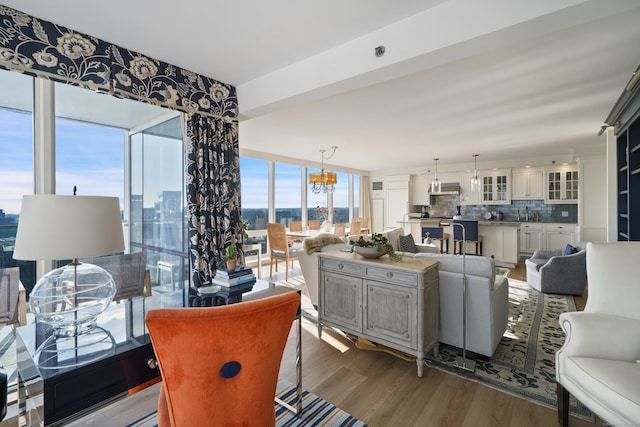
[230,258]
[375,247]
[245,227]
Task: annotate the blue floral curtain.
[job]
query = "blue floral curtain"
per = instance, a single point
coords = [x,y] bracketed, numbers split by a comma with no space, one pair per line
[43,49]
[213,193]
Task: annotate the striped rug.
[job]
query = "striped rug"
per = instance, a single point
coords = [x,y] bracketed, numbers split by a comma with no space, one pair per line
[315,412]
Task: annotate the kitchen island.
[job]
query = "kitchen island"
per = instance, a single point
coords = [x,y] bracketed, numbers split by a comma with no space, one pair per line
[500,239]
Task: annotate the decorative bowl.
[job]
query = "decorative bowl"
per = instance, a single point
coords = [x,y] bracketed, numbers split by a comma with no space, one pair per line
[370,252]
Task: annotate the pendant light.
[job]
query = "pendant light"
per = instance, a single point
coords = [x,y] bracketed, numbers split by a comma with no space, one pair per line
[475,180]
[435,183]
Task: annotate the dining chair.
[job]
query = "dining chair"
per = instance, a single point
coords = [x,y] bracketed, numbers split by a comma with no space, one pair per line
[471,235]
[340,229]
[129,272]
[13,309]
[314,224]
[226,371]
[279,249]
[355,228]
[295,226]
[364,222]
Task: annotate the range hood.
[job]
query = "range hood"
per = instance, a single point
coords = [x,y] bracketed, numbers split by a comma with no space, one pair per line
[447,188]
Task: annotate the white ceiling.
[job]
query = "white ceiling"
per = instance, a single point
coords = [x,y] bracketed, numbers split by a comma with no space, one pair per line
[505,79]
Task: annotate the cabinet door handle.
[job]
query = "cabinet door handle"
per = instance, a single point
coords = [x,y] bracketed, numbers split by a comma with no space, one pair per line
[389,274]
[152,363]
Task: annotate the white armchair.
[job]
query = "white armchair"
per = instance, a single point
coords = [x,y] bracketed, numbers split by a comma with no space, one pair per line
[599,362]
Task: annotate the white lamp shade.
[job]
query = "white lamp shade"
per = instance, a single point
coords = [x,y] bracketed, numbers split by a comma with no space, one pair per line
[53,227]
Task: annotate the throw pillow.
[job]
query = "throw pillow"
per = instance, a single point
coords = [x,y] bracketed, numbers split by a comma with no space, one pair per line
[407,244]
[568,250]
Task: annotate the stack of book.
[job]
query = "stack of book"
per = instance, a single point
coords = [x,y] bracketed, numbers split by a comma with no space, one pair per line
[240,276]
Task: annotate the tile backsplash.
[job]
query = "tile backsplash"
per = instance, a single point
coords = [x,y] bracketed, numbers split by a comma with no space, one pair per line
[445,206]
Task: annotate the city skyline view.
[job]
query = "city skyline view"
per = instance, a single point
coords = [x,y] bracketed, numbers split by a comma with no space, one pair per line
[91,157]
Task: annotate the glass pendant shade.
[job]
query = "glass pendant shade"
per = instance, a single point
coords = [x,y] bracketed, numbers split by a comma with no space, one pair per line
[475,180]
[436,185]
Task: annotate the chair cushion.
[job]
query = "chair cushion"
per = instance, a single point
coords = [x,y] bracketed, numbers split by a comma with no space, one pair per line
[407,244]
[614,382]
[569,249]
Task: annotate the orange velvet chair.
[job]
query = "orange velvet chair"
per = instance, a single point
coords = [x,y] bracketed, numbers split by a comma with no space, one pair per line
[220,365]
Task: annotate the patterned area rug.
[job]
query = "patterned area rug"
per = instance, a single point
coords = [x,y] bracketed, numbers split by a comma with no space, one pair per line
[315,412]
[524,362]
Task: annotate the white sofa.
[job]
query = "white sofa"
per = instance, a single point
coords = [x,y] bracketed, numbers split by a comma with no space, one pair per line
[599,363]
[487,303]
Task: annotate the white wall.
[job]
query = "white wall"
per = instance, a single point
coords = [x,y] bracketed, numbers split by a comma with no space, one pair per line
[593,199]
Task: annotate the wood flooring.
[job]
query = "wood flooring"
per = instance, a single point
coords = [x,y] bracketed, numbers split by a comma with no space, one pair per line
[380,389]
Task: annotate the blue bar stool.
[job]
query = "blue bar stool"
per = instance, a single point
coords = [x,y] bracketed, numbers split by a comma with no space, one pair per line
[471,235]
[436,233]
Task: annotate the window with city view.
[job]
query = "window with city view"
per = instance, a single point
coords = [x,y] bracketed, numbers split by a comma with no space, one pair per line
[16,164]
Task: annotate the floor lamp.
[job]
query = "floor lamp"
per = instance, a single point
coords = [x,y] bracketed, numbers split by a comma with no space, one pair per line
[70,298]
[462,362]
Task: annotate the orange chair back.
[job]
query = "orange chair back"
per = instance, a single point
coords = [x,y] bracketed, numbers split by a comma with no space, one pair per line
[295,225]
[314,224]
[220,365]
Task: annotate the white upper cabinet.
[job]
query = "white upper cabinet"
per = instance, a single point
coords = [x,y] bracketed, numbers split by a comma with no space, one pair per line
[561,184]
[527,184]
[420,189]
[496,188]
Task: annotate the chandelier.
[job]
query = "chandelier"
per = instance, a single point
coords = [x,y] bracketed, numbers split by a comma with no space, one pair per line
[323,181]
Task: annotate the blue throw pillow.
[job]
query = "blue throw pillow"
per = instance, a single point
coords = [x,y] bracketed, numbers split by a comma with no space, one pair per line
[568,250]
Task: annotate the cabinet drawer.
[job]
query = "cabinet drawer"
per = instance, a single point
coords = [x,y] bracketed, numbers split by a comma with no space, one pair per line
[530,227]
[391,276]
[560,227]
[340,266]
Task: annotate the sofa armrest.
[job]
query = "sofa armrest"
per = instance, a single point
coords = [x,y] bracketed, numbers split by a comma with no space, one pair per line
[563,265]
[598,335]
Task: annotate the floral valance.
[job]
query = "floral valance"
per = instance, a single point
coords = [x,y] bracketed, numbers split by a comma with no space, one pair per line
[41,48]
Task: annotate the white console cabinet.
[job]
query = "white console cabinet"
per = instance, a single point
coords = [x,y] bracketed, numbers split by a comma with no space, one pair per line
[392,303]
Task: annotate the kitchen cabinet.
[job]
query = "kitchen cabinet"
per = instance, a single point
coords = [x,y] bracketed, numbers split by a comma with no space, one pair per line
[527,184]
[561,185]
[420,189]
[558,235]
[530,237]
[393,303]
[496,188]
[500,241]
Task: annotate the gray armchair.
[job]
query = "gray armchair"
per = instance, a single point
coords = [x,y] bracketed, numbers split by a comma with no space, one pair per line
[554,273]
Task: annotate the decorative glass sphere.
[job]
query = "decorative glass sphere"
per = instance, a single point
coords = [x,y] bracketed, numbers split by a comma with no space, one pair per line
[70,298]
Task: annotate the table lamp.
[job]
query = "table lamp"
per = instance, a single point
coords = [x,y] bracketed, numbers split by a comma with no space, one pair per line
[70,298]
